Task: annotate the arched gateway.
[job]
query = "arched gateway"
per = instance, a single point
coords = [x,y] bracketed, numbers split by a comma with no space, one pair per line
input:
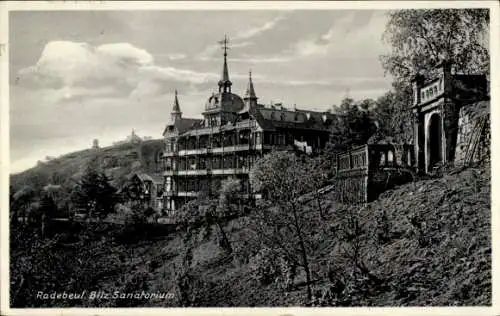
[434,146]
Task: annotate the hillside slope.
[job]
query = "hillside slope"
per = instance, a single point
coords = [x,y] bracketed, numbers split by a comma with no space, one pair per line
[426,243]
[435,251]
[118,161]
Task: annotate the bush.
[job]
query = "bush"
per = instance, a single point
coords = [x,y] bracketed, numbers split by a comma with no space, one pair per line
[265,266]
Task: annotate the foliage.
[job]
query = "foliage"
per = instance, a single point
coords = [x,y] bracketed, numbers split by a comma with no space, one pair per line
[318,169]
[355,123]
[420,39]
[265,265]
[205,212]
[229,200]
[21,202]
[149,152]
[393,119]
[279,220]
[94,193]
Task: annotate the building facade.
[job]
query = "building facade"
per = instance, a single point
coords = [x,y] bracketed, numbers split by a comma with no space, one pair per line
[144,188]
[233,133]
[437,104]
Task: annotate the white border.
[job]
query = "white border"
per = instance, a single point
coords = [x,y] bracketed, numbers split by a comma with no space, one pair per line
[5,7]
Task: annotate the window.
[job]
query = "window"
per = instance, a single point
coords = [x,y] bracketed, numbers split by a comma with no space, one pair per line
[258,138]
[382,158]
[168,184]
[390,156]
[422,96]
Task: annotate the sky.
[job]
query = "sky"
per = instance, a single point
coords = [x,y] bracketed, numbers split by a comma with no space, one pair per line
[76,76]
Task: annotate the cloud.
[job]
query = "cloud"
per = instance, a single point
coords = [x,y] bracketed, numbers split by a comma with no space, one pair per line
[246,34]
[350,35]
[176,56]
[171,73]
[235,42]
[69,70]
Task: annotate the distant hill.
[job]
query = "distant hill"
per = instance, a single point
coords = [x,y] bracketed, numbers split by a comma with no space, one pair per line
[118,161]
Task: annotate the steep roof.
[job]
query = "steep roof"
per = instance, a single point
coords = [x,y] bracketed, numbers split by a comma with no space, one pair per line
[183,124]
[250,92]
[176,108]
[270,119]
[155,178]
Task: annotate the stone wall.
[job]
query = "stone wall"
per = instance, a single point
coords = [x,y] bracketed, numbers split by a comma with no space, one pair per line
[470,115]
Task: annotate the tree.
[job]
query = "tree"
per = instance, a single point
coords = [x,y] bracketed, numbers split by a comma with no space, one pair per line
[355,123]
[47,209]
[21,202]
[282,178]
[420,39]
[391,117]
[229,200]
[318,174]
[94,193]
[207,211]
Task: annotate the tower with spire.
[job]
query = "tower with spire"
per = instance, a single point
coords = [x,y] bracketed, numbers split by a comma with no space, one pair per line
[224,82]
[250,96]
[234,132]
[176,113]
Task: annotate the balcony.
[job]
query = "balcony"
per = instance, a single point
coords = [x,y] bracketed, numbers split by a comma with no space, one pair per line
[189,152]
[169,193]
[195,172]
[215,150]
[204,172]
[243,170]
[231,148]
[187,193]
[170,172]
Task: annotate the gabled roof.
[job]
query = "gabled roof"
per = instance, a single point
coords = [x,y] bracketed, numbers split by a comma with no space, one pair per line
[270,119]
[154,178]
[183,124]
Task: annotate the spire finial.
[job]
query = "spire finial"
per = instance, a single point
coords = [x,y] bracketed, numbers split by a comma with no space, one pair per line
[225,44]
[250,92]
[224,82]
[176,109]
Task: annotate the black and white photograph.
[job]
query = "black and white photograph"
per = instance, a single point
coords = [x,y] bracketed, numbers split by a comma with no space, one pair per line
[277,154]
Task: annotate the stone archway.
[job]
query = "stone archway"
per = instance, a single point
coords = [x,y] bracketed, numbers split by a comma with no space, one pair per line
[434,149]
